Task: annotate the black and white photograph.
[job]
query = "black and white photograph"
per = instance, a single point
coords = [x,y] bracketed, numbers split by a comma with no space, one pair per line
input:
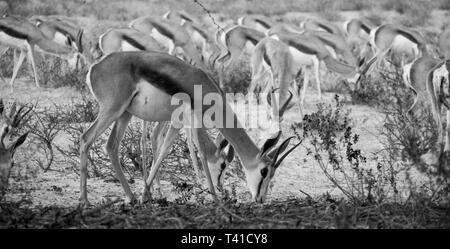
[216,115]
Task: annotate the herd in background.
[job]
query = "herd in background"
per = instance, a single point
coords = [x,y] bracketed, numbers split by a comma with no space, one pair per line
[141,83]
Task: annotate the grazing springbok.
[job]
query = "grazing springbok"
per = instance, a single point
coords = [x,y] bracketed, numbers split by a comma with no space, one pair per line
[170,34]
[429,79]
[308,51]
[321,25]
[9,124]
[144,84]
[164,134]
[19,33]
[258,22]
[396,40]
[358,31]
[235,40]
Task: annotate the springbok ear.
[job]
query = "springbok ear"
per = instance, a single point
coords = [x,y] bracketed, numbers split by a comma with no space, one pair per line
[269,144]
[230,154]
[361,61]
[222,145]
[19,141]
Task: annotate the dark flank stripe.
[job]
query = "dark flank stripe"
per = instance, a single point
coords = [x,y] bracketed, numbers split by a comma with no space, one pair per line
[201,32]
[133,42]
[408,35]
[163,30]
[263,23]
[267,59]
[300,47]
[326,28]
[186,17]
[365,28]
[253,40]
[14,33]
[161,81]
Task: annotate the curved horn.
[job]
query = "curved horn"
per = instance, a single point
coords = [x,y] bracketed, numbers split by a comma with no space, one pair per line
[80,40]
[278,163]
[285,105]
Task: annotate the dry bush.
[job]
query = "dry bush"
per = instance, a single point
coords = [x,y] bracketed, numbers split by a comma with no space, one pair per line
[237,78]
[328,138]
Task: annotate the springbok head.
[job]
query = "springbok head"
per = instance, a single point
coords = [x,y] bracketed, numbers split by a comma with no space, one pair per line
[267,162]
[8,143]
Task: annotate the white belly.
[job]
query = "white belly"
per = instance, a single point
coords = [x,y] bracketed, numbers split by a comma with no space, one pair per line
[249,47]
[403,45]
[164,40]
[300,58]
[151,103]
[198,39]
[260,28]
[125,46]
[331,50]
[10,41]
[60,38]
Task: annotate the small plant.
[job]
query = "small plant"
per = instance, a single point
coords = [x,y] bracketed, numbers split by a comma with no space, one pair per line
[332,144]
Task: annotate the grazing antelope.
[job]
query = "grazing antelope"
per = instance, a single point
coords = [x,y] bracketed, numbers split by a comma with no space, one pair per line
[236,40]
[397,40]
[143,84]
[20,34]
[126,39]
[9,124]
[170,35]
[358,35]
[429,79]
[321,25]
[273,56]
[309,51]
[60,32]
[257,22]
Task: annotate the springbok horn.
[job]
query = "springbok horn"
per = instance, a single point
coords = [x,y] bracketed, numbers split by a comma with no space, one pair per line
[278,163]
[270,143]
[285,105]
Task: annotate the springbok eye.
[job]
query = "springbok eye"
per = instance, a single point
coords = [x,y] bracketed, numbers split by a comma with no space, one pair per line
[264,172]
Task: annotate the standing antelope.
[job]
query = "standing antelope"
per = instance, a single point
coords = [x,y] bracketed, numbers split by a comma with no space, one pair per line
[235,40]
[397,40]
[20,34]
[322,25]
[9,124]
[309,50]
[170,35]
[257,22]
[429,79]
[125,39]
[143,84]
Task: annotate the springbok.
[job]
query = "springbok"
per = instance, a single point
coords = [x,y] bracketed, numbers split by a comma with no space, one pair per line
[308,51]
[9,124]
[429,79]
[257,22]
[236,40]
[358,32]
[166,32]
[397,40]
[144,84]
[19,33]
[164,133]
[321,25]
[273,56]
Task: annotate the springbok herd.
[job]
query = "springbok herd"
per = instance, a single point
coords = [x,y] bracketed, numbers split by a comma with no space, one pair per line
[135,71]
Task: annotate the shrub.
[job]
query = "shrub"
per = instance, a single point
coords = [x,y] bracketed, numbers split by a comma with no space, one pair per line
[333,145]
